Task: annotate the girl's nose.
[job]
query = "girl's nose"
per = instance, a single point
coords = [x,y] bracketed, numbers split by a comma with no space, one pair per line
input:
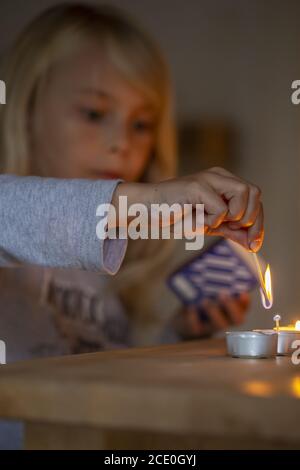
[119,142]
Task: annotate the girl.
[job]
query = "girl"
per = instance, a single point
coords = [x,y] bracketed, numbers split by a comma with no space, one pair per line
[89,98]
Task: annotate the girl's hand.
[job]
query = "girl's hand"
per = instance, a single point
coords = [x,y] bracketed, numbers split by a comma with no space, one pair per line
[232,206]
[212,316]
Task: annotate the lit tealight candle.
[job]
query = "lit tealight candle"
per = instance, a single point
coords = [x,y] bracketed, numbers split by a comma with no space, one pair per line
[286,336]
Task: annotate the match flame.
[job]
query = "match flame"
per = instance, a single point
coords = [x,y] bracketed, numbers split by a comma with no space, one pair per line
[297,325]
[266,292]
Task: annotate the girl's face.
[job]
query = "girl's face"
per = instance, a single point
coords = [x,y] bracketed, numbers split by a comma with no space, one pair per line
[89,122]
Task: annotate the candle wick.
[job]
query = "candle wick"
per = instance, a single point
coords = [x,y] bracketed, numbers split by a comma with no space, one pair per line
[277,319]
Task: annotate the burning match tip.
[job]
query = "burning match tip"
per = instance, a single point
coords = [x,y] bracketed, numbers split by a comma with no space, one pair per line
[265,284]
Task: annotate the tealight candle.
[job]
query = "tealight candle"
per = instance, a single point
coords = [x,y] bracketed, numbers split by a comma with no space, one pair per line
[286,336]
[252,344]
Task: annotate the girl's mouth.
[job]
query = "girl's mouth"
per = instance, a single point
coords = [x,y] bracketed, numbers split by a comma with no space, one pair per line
[111,175]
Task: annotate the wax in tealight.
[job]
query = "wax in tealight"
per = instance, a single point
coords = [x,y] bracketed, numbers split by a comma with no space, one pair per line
[293,328]
[286,336]
[286,328]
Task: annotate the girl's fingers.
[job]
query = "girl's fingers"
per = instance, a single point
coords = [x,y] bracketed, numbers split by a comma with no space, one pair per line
[221,171]
[235,192]
[221,314]
[244,299]
[231,205]
[250,238]
[252,210]
[243,198]
[234,308]
[239,236]
[256,231]
[217,317]
[189,325]
[195,326]
[215,209]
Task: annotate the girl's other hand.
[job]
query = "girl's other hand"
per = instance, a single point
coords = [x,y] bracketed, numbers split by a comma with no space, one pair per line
[212,316]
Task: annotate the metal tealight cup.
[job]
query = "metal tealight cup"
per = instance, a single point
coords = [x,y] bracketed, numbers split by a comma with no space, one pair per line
[252,344]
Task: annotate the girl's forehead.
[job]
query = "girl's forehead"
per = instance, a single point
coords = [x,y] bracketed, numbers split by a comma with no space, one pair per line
[89,71]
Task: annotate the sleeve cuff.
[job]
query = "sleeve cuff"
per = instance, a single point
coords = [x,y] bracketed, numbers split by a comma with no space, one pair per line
[113,255]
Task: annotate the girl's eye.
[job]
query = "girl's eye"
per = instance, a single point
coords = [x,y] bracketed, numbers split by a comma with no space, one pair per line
[143,126]
[92,115]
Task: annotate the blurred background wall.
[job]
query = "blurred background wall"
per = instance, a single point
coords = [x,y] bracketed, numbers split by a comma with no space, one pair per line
[233,63]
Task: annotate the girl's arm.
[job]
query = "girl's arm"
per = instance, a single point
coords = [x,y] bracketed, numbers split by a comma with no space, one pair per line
[52,222]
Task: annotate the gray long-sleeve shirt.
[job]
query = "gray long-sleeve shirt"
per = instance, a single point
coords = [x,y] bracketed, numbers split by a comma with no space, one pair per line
[47,224]
[52,223]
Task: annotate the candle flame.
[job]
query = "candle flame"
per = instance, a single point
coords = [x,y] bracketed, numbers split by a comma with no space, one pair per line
[266,293]
[297,325]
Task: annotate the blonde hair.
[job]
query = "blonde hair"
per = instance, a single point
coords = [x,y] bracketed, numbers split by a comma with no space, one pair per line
[48,39]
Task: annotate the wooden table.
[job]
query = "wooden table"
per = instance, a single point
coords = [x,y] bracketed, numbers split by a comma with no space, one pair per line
[186,396]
